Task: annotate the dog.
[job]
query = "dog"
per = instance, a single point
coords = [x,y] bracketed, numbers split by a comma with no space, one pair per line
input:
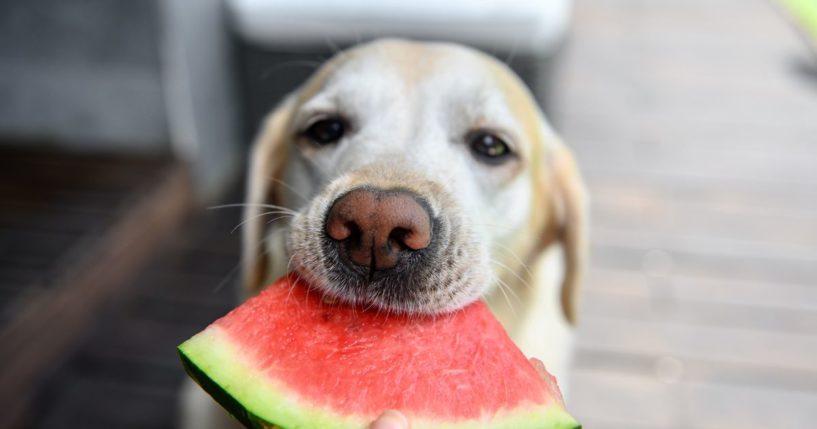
[416,178]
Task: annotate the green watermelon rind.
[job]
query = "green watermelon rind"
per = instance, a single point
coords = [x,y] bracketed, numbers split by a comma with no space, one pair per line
[220,369]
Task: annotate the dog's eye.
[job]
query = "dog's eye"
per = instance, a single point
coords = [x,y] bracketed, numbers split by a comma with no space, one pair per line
[489,148]
[326,131]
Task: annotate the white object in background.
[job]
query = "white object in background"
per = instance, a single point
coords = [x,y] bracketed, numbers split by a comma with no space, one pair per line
[534,27]
[199,92]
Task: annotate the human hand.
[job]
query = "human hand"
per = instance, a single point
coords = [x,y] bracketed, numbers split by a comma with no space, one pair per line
[540,368]
[390,419]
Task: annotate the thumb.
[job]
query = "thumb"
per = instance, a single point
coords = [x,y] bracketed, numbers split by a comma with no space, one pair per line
[390,420]
[540,368]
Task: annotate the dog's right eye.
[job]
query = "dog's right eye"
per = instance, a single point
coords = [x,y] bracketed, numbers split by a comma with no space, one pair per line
[326,131]
[489,148]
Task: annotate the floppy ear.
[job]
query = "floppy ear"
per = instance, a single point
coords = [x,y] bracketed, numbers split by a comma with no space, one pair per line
[568,225]
[267,164]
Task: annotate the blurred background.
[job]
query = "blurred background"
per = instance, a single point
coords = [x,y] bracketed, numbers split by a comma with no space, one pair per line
[694,122]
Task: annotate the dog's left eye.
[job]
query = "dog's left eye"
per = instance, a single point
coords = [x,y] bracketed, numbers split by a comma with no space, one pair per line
[326,131]
[489,148]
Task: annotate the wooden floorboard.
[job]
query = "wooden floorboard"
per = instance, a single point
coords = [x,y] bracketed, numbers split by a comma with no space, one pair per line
[620,399]
[126,372]
[703,313]
[696,130]
[86,222]
[704,289]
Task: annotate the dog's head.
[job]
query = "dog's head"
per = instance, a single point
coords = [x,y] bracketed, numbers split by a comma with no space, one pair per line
[420,175]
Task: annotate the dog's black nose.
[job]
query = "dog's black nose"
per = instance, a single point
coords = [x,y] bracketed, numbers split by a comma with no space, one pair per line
[375,229]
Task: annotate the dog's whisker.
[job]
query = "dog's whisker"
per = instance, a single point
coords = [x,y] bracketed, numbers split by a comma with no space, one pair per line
[358,37]
[277,218]
[513,254]
[289,269]
[370,306]
[233,271]
[332,45]
[512,54]
[288,186]
[502,286]
[513,272]
[269,206]
[509,289]
[252,218]
[227,278]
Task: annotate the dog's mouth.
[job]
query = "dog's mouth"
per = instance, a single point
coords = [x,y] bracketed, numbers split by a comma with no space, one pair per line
[387,249]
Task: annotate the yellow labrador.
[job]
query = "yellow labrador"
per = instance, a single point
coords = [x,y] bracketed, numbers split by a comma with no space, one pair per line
[419,177]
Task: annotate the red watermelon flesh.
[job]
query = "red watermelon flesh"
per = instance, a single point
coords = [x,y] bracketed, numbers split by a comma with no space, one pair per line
[286,358]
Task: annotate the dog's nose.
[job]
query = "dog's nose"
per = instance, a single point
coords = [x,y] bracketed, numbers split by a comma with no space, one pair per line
[375,228]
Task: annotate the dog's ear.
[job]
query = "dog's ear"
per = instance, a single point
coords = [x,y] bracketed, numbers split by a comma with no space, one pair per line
[567,224]
[266,169]
[571,215]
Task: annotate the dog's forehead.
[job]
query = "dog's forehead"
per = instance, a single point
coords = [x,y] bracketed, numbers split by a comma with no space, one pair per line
[414,67]
[396,68]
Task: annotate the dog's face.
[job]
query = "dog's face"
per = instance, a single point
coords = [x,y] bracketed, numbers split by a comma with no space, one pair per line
[420,175]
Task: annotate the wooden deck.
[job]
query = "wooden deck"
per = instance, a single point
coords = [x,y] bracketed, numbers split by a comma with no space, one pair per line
[126,372]
[73,228]
[695,123]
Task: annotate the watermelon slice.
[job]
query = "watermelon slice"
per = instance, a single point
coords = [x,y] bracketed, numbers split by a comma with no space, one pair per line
[287,358]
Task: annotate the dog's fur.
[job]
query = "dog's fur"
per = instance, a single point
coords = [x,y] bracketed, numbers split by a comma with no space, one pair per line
[513,233]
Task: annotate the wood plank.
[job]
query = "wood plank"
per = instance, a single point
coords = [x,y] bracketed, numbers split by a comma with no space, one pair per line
[729,406]
[704,244]
[49,323]
[100,404]
[698,261]
[589,133]
[767,348]
[747,169]
[624,400]
[660,216]
[611,400]
[133,342]
[751,197]
[670,156]
[154,340]
[662,305]
[754,293]
[672,369]
[696,136]
[33,246]
[193,288]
